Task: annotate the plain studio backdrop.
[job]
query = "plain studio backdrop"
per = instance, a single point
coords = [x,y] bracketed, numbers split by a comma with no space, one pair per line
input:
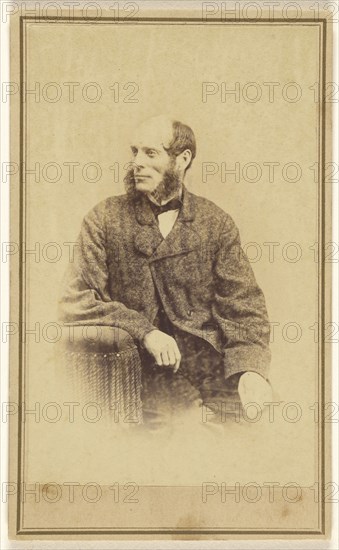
[107,79]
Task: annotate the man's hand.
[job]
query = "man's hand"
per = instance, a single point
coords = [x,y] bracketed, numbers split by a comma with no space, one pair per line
[253,388]
[163,348]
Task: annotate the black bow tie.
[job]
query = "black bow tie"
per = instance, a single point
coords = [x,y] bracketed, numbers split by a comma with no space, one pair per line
[173,204]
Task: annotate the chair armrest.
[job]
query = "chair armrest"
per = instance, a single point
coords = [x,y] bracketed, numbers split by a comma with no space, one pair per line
[104,367]
[96,339]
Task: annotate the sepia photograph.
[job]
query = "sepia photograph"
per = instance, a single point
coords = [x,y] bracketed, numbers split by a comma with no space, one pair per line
[170,256]
[165,268]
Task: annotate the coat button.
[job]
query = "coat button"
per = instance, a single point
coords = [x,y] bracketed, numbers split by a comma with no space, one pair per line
[189,312]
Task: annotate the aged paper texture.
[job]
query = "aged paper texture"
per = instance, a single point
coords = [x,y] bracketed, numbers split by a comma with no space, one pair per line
[170,260]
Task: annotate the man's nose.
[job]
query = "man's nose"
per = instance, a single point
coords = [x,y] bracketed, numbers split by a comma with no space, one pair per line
[139,159]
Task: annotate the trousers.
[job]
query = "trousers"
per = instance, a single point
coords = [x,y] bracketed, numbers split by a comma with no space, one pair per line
[199,380]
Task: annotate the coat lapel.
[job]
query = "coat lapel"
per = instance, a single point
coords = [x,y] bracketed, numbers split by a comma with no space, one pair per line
[182,238]
[147,237]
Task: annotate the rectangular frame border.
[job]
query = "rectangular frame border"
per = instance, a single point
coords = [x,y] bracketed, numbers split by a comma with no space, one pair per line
[323,276]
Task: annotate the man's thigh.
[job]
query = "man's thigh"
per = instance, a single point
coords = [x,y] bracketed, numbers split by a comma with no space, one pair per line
[200,379]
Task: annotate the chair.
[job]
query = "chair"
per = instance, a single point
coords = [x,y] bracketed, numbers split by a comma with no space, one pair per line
[105,368]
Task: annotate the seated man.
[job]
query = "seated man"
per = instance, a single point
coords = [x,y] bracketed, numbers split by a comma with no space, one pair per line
[166,266]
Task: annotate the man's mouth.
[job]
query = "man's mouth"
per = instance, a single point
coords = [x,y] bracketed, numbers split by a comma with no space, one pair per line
[140,177]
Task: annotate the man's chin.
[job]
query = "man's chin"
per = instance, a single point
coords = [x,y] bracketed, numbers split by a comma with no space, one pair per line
[144,186]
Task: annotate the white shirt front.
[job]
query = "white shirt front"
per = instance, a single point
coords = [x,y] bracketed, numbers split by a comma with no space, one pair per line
[166,221]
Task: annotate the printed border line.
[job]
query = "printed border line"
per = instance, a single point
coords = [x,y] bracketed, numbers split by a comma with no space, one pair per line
[165,532]
[322,24]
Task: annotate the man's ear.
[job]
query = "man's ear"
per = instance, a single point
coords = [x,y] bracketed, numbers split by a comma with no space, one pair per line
[184,158]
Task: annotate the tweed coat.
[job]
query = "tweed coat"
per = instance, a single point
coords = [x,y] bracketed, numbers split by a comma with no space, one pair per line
[204,280]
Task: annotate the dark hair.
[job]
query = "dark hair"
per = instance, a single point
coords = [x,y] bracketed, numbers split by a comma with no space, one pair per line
[183,138]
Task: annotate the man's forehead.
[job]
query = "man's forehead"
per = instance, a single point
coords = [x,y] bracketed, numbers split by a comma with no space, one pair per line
[154,132]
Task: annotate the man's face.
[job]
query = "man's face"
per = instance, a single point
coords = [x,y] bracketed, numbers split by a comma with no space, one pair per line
[151,162]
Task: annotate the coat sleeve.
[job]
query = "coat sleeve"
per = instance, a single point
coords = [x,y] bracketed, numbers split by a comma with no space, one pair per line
[85,298]
[239,308]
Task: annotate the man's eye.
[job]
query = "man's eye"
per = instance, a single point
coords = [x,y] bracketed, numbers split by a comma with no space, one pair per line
[151,153]
[134,152]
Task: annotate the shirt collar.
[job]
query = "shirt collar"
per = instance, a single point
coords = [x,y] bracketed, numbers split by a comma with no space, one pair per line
[179,197]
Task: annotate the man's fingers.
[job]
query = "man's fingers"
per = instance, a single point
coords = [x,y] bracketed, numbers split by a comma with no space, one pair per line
[168,354]
[158,360]
[177,359]
[172,357]
[165,358]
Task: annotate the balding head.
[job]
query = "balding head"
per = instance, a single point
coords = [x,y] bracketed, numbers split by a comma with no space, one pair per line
[157,130]
[174,136]
[162,149]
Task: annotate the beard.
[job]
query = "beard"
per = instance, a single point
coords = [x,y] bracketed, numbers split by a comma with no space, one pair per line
[167,188]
